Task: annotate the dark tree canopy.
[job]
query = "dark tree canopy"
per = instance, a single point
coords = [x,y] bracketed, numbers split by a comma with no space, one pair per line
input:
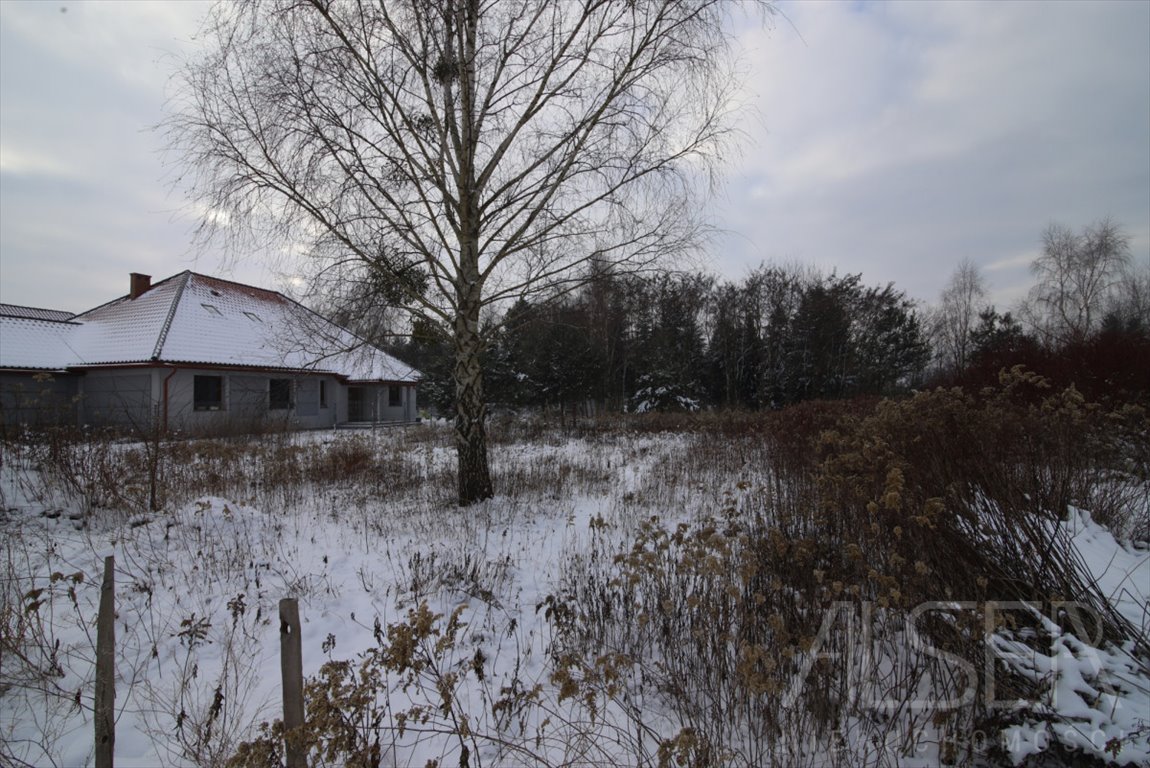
[684,342]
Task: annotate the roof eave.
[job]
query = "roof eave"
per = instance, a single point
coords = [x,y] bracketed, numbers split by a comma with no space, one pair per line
[31,369]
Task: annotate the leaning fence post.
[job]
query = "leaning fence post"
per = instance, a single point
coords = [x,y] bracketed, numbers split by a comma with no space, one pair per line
[105,708]
[291,667]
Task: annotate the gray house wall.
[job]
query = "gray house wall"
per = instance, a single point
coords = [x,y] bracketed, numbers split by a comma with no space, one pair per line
[376,403]
[246,402]
[117,398]
[407,410]
[36,400]
[310,412]
[134,399]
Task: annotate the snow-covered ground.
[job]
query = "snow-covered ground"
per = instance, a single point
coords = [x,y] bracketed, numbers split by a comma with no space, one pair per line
[197,591]
[198,585]
[1101,695]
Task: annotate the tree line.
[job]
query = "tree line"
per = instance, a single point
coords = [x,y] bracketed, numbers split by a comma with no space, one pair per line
[785,334]
[676,341]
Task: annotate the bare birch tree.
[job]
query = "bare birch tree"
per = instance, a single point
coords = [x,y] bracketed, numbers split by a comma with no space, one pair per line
[1075,275]
[957,315]
[467,152]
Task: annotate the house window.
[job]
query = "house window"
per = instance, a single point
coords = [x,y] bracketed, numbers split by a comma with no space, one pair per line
[208,393]
[393,396]
[279,394]
[212,310]
[322,393]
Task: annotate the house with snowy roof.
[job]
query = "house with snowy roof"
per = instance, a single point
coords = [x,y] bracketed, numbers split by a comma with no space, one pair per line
[197,354]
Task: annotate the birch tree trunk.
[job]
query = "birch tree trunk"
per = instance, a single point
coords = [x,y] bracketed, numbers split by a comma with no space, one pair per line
[474,480]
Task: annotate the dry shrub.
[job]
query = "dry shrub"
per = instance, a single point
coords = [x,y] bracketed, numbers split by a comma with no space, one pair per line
[350,460]
[429,684]
[954,496]
[818,577]
[208,467]
[103,471]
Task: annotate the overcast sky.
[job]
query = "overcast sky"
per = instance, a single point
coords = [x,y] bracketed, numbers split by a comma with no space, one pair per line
[892,139]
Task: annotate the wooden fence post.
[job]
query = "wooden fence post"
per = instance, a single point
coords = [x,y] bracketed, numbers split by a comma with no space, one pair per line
[291,667]
[104,713]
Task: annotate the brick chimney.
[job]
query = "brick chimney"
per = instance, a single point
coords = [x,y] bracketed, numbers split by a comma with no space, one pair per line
[140,285]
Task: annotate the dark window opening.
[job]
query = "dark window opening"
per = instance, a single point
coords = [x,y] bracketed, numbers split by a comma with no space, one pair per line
[208,393]
[322,394]
[357,409]
[393,397]
[279,394]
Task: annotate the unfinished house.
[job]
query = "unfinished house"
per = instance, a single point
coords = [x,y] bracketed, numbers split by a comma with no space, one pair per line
[195,354]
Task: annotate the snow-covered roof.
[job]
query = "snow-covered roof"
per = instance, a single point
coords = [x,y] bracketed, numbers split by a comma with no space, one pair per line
[33,313]
[194,319]
[31,344]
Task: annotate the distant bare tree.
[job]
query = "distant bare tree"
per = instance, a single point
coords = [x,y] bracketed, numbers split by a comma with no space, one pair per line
[1075,276]
[464,152]
[956,316]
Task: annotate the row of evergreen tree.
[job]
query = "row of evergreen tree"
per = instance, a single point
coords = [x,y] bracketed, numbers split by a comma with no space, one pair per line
[687,341]
[666,342]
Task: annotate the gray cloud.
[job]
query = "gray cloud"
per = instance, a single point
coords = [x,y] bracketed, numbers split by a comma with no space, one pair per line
[901,138]
[892,139]
[84,195]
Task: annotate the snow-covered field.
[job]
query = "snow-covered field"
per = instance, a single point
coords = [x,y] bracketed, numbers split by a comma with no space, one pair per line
[198,584]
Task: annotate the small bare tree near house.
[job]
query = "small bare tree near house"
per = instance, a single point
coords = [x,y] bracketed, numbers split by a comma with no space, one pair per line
[462,153]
